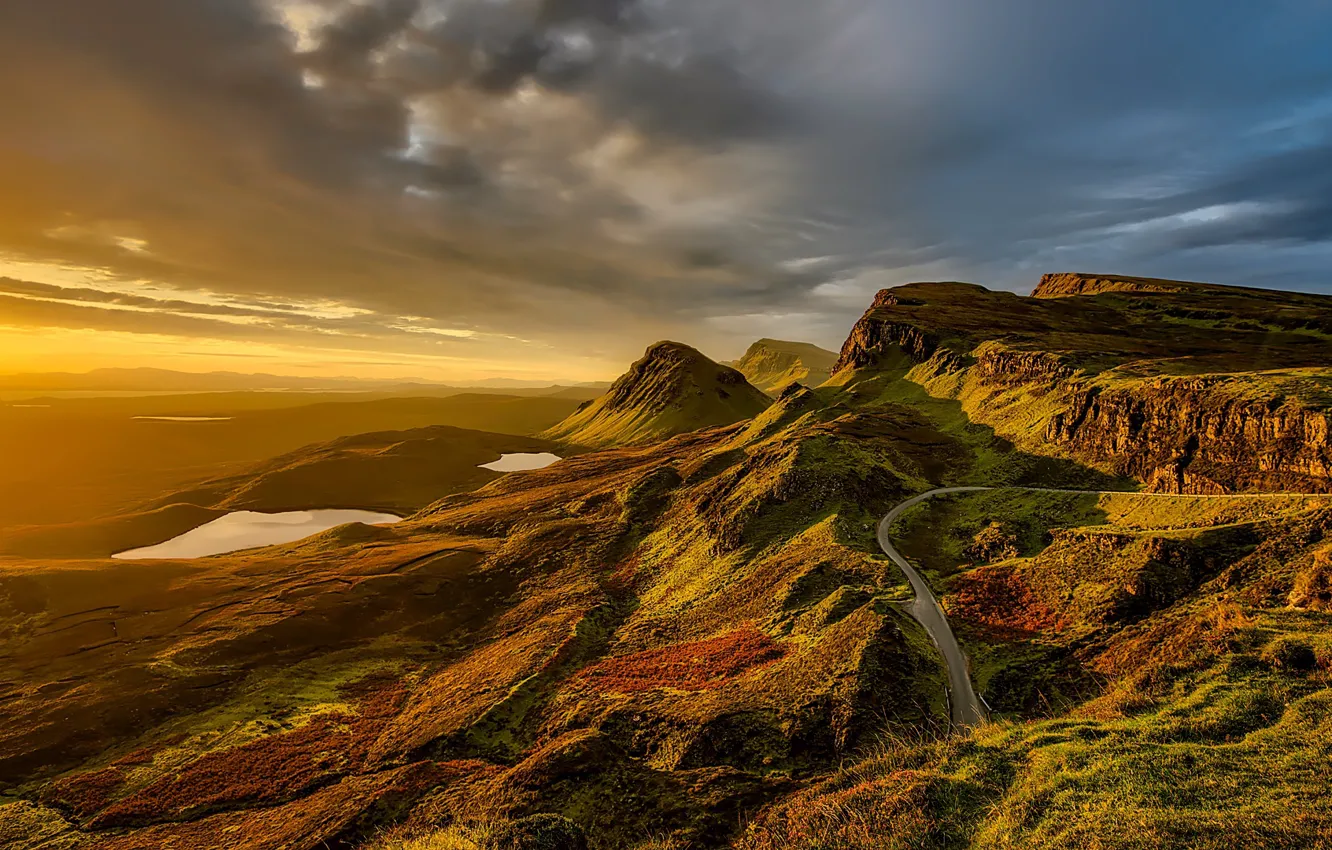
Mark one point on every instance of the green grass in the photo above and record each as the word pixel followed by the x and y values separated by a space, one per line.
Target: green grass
pixel 772 364
pixel 670 390
pixel 1207 723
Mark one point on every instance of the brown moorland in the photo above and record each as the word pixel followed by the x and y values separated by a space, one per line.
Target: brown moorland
pixel 696 639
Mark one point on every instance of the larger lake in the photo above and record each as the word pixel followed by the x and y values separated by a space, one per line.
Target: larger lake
pixel 249 529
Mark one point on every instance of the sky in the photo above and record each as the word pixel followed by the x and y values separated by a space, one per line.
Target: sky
pixel 541 188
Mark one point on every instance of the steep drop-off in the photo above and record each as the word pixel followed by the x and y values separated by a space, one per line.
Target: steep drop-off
pixel 1186 387
pixel 672 389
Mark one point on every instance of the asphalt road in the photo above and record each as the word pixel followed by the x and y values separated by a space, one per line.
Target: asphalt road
pixel 965 707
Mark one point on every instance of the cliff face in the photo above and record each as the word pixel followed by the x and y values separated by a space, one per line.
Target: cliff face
pixel 1198 435
pixel 1130 386
pixel 1007 366
pixel 871 338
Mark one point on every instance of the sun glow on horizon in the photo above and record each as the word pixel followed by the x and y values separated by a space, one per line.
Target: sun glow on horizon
pixel 331 352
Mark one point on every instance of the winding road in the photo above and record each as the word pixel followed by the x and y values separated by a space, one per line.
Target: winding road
pixel 965 706
pixel 966 709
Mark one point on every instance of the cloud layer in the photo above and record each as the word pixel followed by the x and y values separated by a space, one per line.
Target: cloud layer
pixel 548 178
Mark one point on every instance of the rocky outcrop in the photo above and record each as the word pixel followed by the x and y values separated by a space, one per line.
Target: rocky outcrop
pixel 1178 386
pixel 873 336
pixel 1065 284
pixel 1198 435
pixel 1010 366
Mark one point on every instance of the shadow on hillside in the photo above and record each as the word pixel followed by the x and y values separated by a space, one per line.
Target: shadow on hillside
pixel 984 457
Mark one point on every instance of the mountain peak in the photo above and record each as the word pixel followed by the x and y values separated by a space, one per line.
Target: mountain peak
pixel 771 364
pixel 671 389
pixel 670 348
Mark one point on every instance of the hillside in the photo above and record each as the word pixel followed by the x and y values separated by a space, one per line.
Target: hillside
pixel 772 364
pixel 394 471
pixel 1160 667
pixel 397 472
pixel 701 619
pixel 670 390
pixel 695 643
pixel 1186 387
pixel 78 460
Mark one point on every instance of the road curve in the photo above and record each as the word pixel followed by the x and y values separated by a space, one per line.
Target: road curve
pixel 965 707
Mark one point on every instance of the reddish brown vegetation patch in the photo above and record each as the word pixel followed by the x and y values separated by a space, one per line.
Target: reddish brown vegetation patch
pixel 85 793
pixel 854 817
pixel 699 665
pixel 312 821
pixel 624 575
pixel 997 600
pixel 1189 641
pixel 272 769
pixel 90 792
pixel 143 755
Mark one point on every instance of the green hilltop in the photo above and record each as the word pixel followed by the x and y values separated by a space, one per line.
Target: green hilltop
pixel 773 364
pixel 670 390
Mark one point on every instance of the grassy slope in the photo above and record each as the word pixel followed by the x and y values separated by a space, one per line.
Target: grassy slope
pixel 670 390
pixel 772 364
pixel 391 471
pixel 77 461
pixel 704 620
pixel 1208 722
pixel 1020 365
pixel 1160 668
pixel 678 634
pixel 396 471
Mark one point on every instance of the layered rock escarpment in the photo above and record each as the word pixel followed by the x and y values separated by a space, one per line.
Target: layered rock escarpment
pixel 1198 435
pixel 1170 383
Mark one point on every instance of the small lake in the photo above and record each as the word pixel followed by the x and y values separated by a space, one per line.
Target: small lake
pixel 521 461
pixel 250 529
pixel 184 418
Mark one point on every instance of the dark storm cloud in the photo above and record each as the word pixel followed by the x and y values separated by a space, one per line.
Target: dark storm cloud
pixel 587 172
pixel 345 44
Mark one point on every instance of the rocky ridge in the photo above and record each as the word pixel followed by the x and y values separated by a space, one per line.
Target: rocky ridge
pixel 1192 388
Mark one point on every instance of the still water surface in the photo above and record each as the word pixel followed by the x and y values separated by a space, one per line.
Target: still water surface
pixel 248 529
pixel 185 418
pixel 521 461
